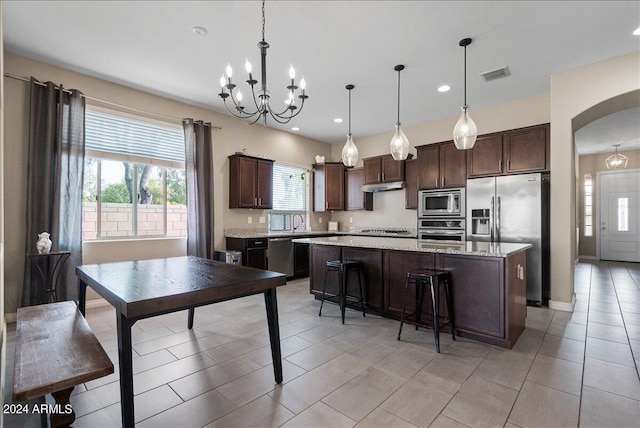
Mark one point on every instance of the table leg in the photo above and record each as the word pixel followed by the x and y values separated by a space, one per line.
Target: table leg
pixel 126 370
pixel 82 296
pixel 66 415
pixel 192 312
pixel 274 332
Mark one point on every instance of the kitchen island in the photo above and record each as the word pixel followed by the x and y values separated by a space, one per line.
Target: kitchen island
pixel 488 280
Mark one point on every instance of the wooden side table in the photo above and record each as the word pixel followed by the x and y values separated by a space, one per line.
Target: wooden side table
pixel 47 269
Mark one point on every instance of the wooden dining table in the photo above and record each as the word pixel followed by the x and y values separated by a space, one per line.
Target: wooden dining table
pixel 147 288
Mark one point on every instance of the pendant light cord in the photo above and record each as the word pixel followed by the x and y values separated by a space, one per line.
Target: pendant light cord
pixel 465 75
pixel 349 111
pixel 398 97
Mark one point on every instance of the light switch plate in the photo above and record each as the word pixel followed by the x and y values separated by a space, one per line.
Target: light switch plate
pixel 262 219
pixel 249 219
pixel 319 219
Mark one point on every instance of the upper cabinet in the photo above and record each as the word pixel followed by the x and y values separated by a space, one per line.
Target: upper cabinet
pixel 356 199
pixel 383 169
pixel 328 186
pixel 441 166
pixel 510 152
pixel 411 181
pixel 250 182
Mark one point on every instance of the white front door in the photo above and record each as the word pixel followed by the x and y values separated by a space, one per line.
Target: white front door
pixel 619 215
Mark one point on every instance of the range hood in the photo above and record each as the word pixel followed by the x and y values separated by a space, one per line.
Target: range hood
pixel 383 187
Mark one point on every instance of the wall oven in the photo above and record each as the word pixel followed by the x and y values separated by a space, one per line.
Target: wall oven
pixel 441 229
pixel 444 202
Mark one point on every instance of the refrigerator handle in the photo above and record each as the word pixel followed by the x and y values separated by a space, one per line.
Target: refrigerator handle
pixel 491 217
pixel 498 219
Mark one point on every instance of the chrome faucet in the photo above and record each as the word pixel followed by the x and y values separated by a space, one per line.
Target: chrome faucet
pixel 300 224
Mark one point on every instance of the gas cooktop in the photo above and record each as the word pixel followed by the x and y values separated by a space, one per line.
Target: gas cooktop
pixel 387 231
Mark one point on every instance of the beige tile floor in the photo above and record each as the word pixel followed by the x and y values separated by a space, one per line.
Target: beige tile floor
pixel 566 370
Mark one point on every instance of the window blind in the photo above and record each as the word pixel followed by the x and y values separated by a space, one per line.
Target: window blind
pixel 125 136
pixel 289 188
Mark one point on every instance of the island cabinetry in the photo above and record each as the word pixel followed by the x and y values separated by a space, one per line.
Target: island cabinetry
pixel 441 166
pixel 516 151
pixel 371 265
pixel 356 199
pixel 250 182
pixel 328 187
pixel 320 255
pixel 489 296
pixel 411 181
pixel 383 169
pixel 397 264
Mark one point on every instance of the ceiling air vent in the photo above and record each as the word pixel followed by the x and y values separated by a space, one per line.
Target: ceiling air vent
pixel 496 74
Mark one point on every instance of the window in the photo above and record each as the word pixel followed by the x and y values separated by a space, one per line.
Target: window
pixel 623 214
pixel 588 205
pixel 290 184
pixel 134 180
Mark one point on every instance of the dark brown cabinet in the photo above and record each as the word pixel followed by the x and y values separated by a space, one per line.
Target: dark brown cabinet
pixel 356 199
pixel 371 262
pixel 254 251
pixel 382 169
pixel 397 264
pixel 250 182
pixel 371 271
pixel 328 187
pixel 511 152
pixel 411 184
pixel 441 166
pixel 300 259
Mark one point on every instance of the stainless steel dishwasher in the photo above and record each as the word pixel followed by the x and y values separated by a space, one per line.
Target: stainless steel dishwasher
pixel 280 255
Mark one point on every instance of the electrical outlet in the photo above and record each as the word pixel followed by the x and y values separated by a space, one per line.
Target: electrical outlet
pixel 249 219
pixel 350 219
pixel 319 219
pixel 262 219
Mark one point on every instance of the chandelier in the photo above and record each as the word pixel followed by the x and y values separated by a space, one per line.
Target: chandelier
pixel 261 97
pixel 465 132
pixel 616 160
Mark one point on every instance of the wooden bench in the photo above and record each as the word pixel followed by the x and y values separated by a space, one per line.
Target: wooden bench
pixel 55 351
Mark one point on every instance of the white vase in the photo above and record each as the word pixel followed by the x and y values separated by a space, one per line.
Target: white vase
pixel 43 245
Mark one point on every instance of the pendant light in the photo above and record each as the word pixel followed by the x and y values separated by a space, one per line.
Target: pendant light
pixel 399 143
pixel 465 132
pixel 616 161
pixel 349 151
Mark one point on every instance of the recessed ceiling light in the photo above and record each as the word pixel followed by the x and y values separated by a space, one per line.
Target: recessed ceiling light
pixel 338 120
pixel 200 31
pixel 444 88
pixel 637 32
pixel 295 128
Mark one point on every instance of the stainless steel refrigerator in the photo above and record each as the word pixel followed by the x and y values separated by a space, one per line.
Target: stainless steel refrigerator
pixel 514 208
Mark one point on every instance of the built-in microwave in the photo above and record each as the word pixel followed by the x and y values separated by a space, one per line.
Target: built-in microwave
pixel 449 202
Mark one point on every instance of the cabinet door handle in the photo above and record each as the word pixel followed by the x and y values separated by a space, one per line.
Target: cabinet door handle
pixel 509 164
pixel 442 181
pixel 255 201
pixel 383 176
pixel 500 165
pixel 378 176
pixel 437 178
pixel 326 205
pixel 260 201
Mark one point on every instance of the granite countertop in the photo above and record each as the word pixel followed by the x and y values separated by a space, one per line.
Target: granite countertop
pixel 366 231
pixel 488 249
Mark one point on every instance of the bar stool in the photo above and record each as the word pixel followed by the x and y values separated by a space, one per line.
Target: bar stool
pixel 342 267
pixel 437 280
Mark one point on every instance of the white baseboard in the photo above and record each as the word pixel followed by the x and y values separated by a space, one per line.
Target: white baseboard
pixel 563 306
pixel 95 303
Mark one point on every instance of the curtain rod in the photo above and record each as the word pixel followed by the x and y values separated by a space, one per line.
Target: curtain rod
pixel 180 119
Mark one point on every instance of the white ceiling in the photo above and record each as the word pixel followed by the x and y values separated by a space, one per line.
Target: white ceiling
pixel 149 45
pixel 601 135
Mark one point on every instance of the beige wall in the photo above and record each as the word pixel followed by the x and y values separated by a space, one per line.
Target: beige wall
pixel 572 93
pixel 389 206
pixel 234 136
pixel 591 164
